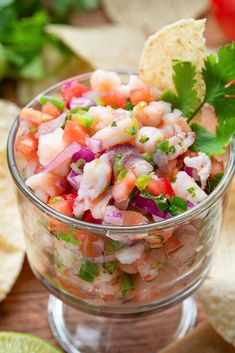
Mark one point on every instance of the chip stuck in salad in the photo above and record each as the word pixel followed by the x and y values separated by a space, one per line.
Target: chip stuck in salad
pixel 125 153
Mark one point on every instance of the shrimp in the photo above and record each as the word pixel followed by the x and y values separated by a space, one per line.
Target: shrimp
pixel 34 116
pixel 133 83
pixel 150 263
pixel 186 187
pixel 151 114
pixel 123 187
pixel 147 138
pixel 49 145
pixel 131 254
pixel 180 143
pixel 124 131
pixel 141 167
pixel 174 123
pixel 46 184
pixel 98 205
pixel 105 116
pixel 96 177
pixel 104 81
pixel 202 164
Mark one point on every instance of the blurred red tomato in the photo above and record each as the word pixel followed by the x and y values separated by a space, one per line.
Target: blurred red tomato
pixel 224 12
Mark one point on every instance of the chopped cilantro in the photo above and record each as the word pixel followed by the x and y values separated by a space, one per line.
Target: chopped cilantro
pixel 122 174
pixel 148 194
pixel 129 106
pixel 192 191
pixel 147 156
pixel 179 203
pixel 143 139
pixel 114 124
pixel 118 165
pixel 165 147
pixel 131 130
pixel 54 199
pixel 213 182
pixel 110 267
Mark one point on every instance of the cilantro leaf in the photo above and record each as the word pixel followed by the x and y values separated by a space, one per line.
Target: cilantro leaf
pixel 184 79
pixel 213 143
pixel 217 74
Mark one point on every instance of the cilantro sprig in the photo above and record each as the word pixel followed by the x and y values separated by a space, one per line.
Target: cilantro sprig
pixel 218 74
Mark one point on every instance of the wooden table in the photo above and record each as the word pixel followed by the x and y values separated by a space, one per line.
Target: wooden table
pixel 25 308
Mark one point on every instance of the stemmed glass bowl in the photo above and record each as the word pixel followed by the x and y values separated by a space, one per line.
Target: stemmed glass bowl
pixel 93 315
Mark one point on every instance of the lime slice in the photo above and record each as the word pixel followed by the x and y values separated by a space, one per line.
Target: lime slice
pixel 14 342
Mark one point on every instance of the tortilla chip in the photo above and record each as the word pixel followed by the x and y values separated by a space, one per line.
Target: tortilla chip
pixel 183 41
pixel 8 113
pixel 107 47
pixel 218 291
pixel 10 266
pixel 151 15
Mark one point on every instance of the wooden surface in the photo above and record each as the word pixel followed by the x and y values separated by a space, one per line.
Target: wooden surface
pixel 25 308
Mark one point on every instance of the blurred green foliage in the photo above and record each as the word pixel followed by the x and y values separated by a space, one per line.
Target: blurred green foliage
pixel 23 36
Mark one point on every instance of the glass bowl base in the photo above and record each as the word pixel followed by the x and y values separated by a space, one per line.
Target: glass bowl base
pixel 78 332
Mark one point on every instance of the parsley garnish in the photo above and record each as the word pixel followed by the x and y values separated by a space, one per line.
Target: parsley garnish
pixel 114 124
pixel 143 139
pixel 129 106
pixel 131 130
pixel 165 147
pixel 192 191
pixel 213 182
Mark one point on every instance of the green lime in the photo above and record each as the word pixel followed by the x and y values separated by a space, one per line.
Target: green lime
pixel 14 342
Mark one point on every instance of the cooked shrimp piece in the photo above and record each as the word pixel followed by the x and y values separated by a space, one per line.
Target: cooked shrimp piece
pixel 151 114
pixel 174 123
pixel 148 137
pixel 129 255
pixel 133 83
pixel 104 81
pixel 103 116
pixel 124 131
pixel 34 116
pixel 150 263
pixel 79 207
pixel 202 164
pixel 96 177
pixel 180 143
pixel 141 167
pixel 186 187
pixel 208 118
pixel 46 184
pixel 123 187
pixel 98 205
pixel 49 145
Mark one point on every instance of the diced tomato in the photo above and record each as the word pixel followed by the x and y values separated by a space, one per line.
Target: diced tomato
pixel 76 89
pixel 171 245
pixel 115 99
pixel 75 132
pixel 89 218
pixel 70 198
pixel 27 145
pixel 141 94
pixel 63 206
pixel 160 186
pixel 88 243
pixel 50 109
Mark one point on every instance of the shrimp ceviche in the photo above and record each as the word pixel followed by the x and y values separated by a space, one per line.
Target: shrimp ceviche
pixel 122 153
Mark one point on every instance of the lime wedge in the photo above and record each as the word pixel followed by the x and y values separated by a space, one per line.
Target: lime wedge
pixel 14 342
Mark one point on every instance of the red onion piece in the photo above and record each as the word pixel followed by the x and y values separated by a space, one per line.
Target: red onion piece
pixel 74 179
pixel 60 164
pixel 84 153
pixel 94 145
pixel 50 126
pixel 149 206
pixel 80 102
pixel 190 204
pixel 113 216
pixel 188 170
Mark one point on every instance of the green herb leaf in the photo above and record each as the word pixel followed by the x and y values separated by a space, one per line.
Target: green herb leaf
pixel 110 267
pixel 179 203
pixel 84 119
pixel 213 182
pixel 88 271
pixel 127 283
pixel 184 79
pixel 118 165
pixel 122 174
pixel 111 246
pixel 129 106
pixel 98 101
pixel 131 130
pixel 143 139
pixel 114 124
pixel 54 199
pixel 148 194
pixel 58 104
pixel 68 237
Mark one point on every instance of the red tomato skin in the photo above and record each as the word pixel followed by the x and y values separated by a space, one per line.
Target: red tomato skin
pixel 90 219
pixel 50 109
pixel 76 89
pixel 160 186
pixel 70 198
pixel 114 99
pixel 27 145
pixel 74 132
pixel 224 12
pixel 62 206
pixel 140 94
